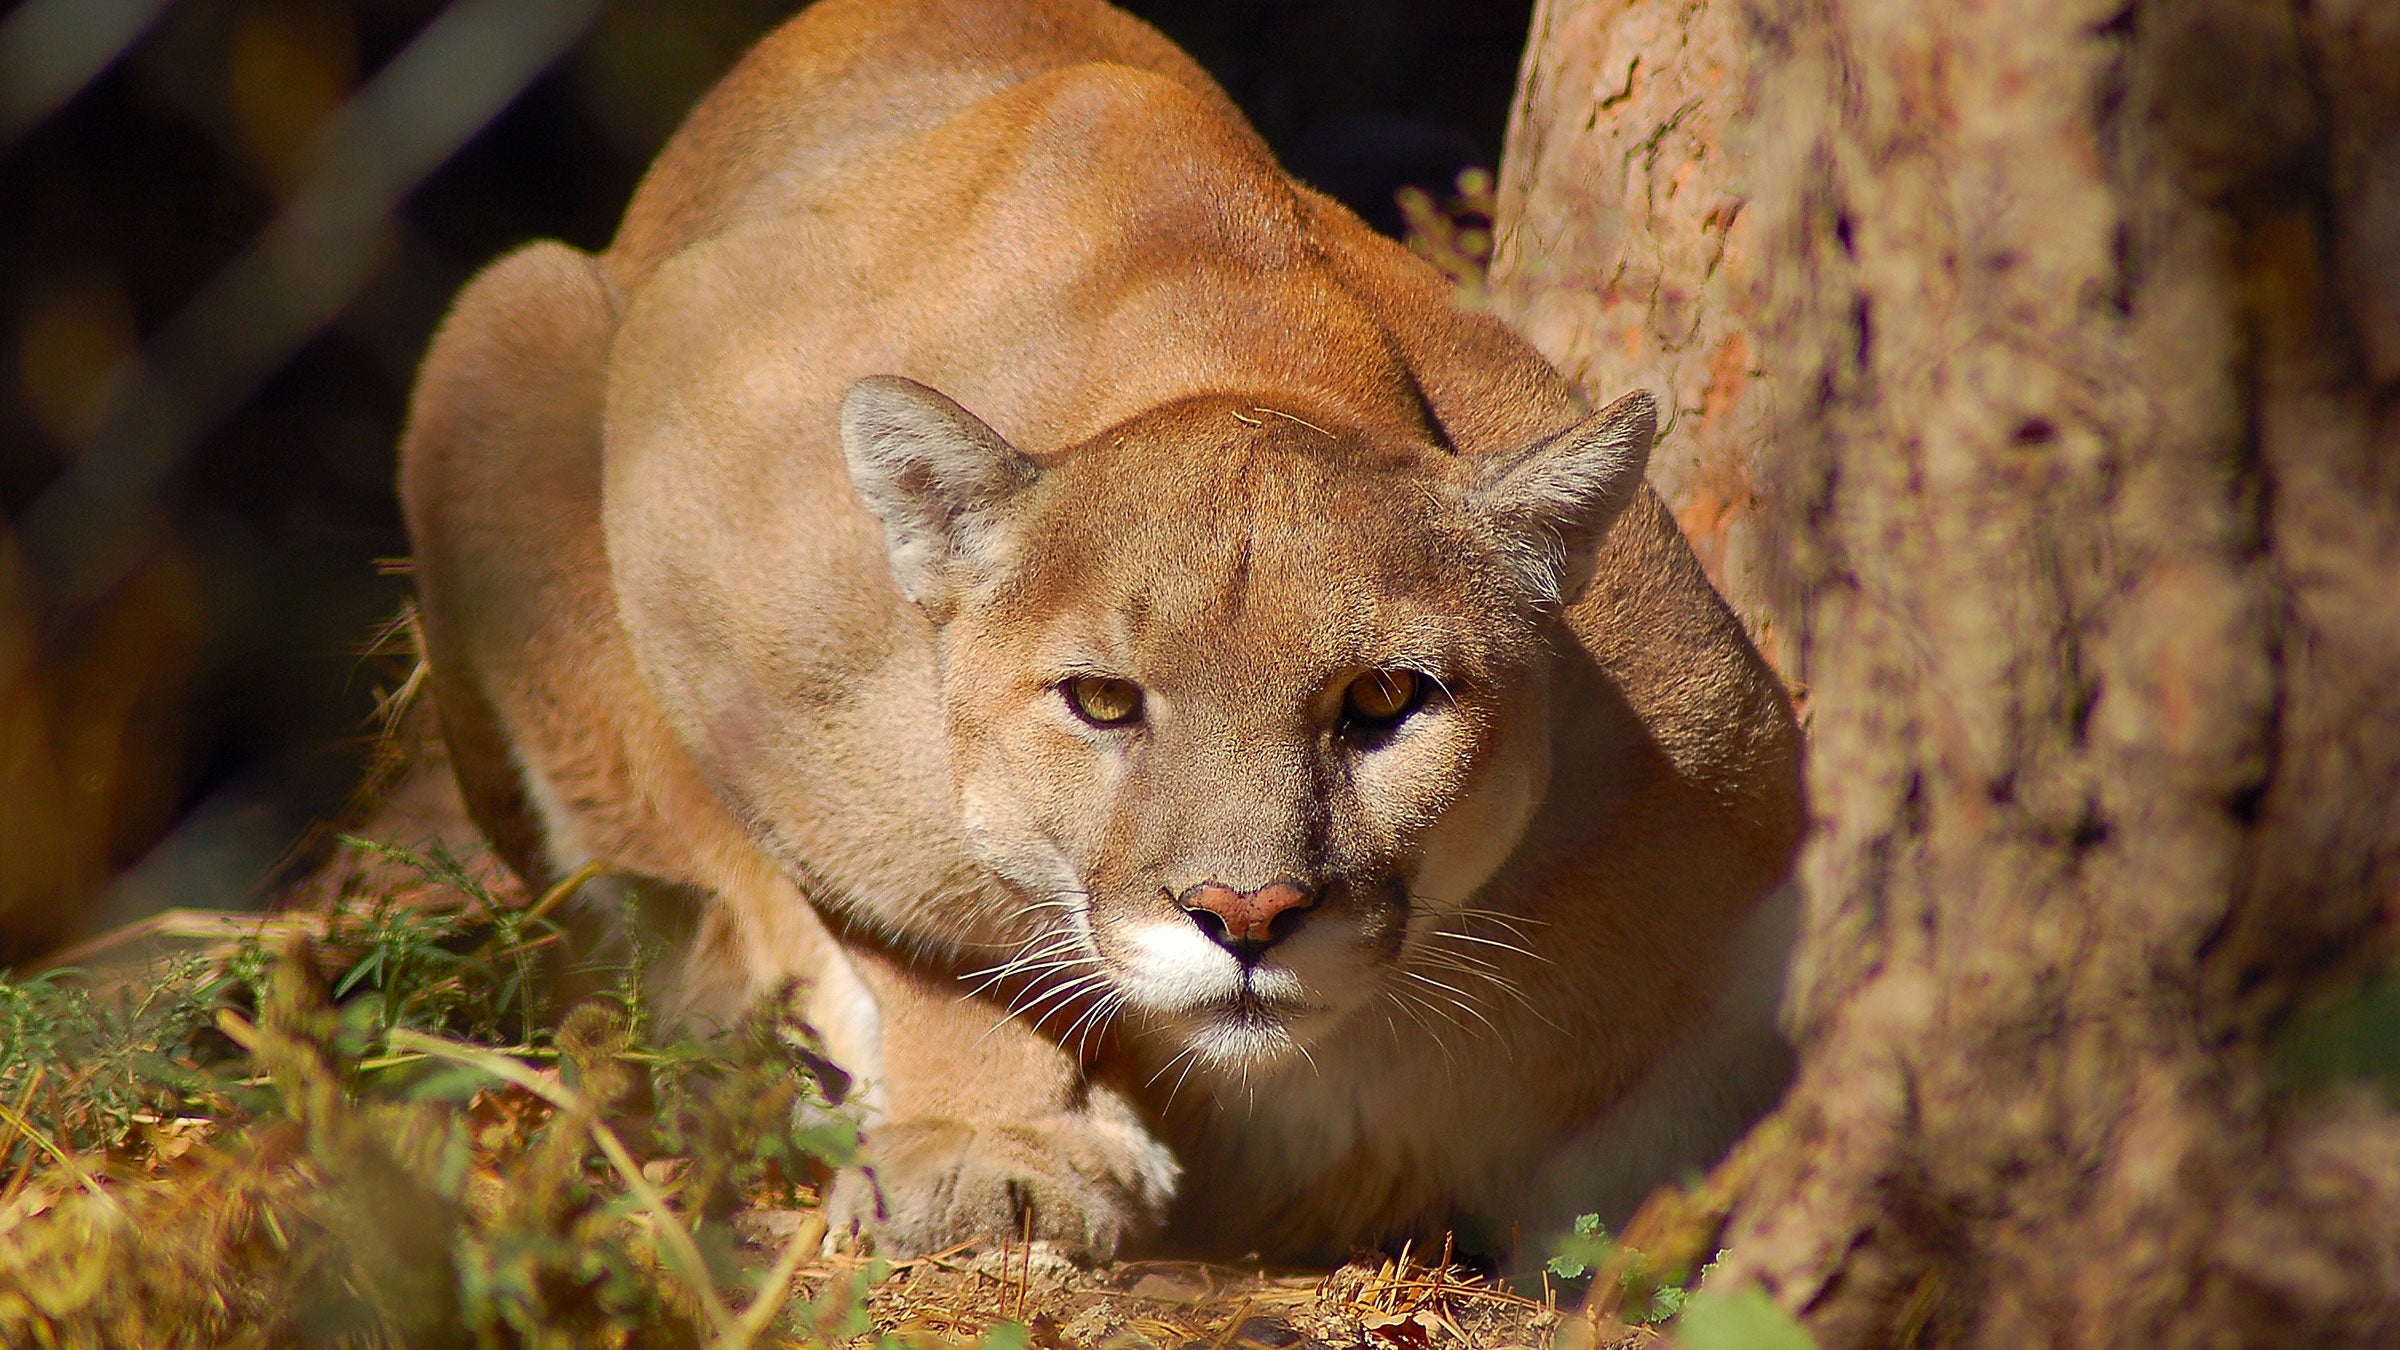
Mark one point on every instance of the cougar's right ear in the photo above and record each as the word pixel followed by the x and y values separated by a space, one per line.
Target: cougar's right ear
pixel 938 479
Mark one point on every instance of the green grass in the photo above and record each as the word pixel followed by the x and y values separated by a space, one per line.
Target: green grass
pixel 386 1137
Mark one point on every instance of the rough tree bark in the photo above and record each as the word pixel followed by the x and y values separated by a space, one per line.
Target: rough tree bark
pixel 1620 248
pixel 2078 454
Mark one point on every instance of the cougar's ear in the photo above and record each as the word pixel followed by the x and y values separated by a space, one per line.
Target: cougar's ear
pixel 1551 502
pixel 937 477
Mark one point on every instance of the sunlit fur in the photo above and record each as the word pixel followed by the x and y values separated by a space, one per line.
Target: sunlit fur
pixel 956 348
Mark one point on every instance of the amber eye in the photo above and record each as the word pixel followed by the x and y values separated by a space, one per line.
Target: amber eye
pixel 1104 700
pixel 1381 697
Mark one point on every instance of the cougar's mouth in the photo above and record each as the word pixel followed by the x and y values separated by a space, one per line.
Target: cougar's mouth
pixel 1247 1030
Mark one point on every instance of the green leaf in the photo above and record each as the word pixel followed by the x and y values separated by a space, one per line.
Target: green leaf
pixel 1666 1301
pixel 1578 1253
pixel 1744 1320
pixel 1007 1336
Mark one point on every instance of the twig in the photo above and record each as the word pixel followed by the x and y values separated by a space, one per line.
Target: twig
pixel 1288 417
pixel 777 1290
pixel 940 1260
pixel 199 924
pixel 556 895
pixel 1232 1328
pixel 1024 1267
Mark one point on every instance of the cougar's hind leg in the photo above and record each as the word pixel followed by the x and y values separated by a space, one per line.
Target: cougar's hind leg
pixel 561 752
pixel 500 485
pixel 539 702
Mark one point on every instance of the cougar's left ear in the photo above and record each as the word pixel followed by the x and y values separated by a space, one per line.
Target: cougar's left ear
pixel 1552 501
pixel 938 479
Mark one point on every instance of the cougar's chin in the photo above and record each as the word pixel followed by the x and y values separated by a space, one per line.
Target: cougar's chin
pixel 1248 1036
pixel 1272 1018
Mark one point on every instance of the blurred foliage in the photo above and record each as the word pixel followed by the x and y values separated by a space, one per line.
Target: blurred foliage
pixel 2349 1034
pixel 1747 1320
pixel 1454 233
pixel 323 1144
pixel 93 737
pixel 1649 1294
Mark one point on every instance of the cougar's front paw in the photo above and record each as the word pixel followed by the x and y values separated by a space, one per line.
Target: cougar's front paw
pixel 1085 1184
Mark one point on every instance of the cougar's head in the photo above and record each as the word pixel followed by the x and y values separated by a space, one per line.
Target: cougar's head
pixel 1240 702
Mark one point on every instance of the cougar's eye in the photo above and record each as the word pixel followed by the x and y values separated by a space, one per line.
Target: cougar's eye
pixel 1380 698
pixel 1104 700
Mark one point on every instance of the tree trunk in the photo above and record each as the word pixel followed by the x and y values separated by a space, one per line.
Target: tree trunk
pixel 1620 245
pixel 2078 445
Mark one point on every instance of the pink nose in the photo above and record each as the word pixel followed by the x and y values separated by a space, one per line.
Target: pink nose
pixel 1244 919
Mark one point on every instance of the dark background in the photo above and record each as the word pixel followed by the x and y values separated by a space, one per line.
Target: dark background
pixel 210 681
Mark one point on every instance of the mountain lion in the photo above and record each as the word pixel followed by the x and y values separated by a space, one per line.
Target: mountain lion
pixel 1235 756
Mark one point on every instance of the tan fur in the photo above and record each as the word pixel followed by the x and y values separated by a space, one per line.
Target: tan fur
pixel 708 603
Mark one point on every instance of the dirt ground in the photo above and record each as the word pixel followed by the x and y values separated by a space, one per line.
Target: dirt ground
pixel 1396 1304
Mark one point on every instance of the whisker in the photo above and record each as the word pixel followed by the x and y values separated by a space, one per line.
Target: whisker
pixel 1191 1052
pixel 1060 942
pixel 1177 1090
pixel 1079 988
pixel 1039 992
pixel 1467 969
pixel 1035 972
pixel 1057 993
pixel 1467 974
pixel 1453 919
pixel 1058 901
pixel 1459 999
pixel 1068 989
pixel 1037 906
pixel 1014 956
pixel 1479 940
pixel 1504 984
pixel 1443 1010
pixel 1049 936
pixel 1433 952
pixel 1094 1020
pixel 1515 923
pixel 1312 1059
pixel 1449 960
pixel 1056 964
pixel 1039 968
pixel 1418 1010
